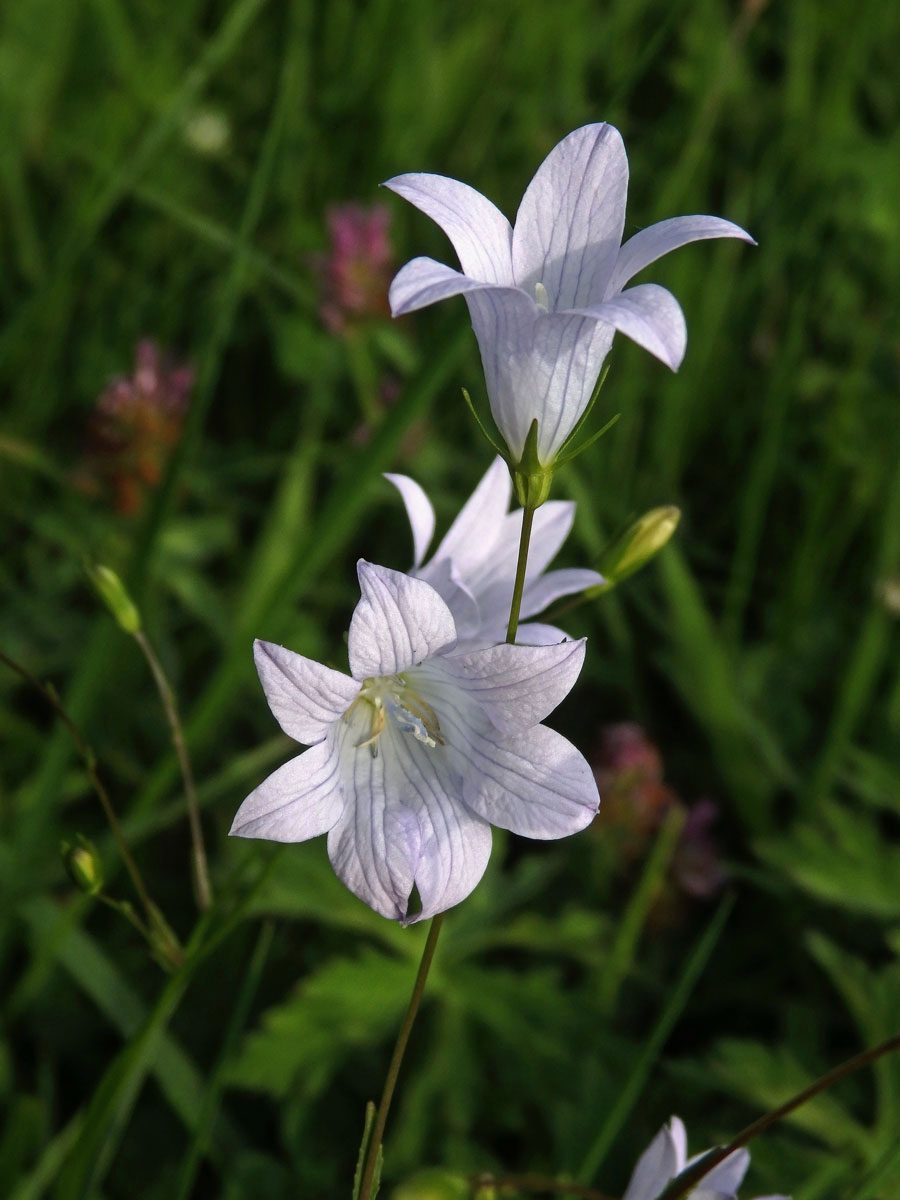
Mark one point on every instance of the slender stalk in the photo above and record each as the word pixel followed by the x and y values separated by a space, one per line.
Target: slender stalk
pixel 384 1104
pixel 170 705
pixel 374 1145
pixel 521 564
pixel 692 1176
pixel 154 916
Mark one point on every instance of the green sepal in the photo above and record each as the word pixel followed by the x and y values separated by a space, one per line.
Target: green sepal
pixel 584 416
pixel 503 452
pixel 561 462
pixel 530 478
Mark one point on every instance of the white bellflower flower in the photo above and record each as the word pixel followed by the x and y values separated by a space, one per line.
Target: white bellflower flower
pixel 547 296
pixel 418 751
pixel 666 1157
pixel 474 566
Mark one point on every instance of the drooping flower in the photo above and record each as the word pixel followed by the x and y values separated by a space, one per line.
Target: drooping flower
pixel 666 1157
pixel 137 421
pixel 547 296
pixel 474 567
pixel 418 751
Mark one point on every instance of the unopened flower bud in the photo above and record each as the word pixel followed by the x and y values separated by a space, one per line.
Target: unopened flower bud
pixel 111 590
pixel 82 862
pixel 644 538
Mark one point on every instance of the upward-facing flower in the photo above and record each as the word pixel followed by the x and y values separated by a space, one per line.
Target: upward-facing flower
pixel 418 751
pixel 666 1157
pixel 547 296
pixel 474 567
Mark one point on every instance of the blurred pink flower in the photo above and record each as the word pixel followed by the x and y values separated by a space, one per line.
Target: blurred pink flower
pixel 629 773
pixel 356 272
pixel 137 420
pixel 696 866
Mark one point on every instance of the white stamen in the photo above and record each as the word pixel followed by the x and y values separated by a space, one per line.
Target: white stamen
pixel 540 295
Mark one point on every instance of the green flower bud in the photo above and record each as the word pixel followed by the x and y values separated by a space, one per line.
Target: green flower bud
pixel 644 538
pixel 433 1185
pixel 111 590
pixel 82 862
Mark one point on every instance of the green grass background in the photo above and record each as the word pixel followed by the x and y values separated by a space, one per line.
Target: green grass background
pixel 759 651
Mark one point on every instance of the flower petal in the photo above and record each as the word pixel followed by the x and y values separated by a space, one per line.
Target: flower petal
pixel 652 243
pixel 300 800
pixel 650 316
pixel 492 584
pixel 398 622
pixel 470 540
pixel 304 696
pixel 404 825
pixel 455 843
pixel 659 1164
pixel 420 513
pixel 516 687
pixel 537 785
pixel 375 846
pixel 728 1175
pixel 569 224
pixel 480 233
pixel 537 365
pixel 446 581
pixel 542 592
pixel 536 633
pixel 423 281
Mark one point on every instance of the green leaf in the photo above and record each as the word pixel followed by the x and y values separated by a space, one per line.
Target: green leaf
pixel 840 856
pixel 347 1004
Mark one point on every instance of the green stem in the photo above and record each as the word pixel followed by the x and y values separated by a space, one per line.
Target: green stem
pixel 692 1176
pixel 170 705
pixel 519 588
pixel 90 763
pixel 368 1176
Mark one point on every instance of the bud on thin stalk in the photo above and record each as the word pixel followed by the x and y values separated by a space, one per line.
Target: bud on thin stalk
pixel 633 548
pixel 111 590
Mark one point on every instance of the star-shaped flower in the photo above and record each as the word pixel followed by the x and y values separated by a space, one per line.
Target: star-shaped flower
pixel 474 567
pixel 419 750
pixel 666 1157
pixel 547 296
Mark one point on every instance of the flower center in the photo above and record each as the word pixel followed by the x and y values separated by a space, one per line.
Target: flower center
pixel 390 698
pixel 541 297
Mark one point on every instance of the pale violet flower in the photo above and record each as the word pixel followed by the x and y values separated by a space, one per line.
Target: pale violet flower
pixel 418 751
pixel 547 296
pixel 474 567
pixel 666 1157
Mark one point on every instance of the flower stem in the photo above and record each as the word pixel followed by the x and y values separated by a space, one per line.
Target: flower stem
pixel 519 587
pixel 368 1175
pixel 170 705
pixel 692 1176
pixel 155 919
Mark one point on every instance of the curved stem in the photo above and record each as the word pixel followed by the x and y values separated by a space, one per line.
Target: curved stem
pixel 170 705
pixel 90 764
pixel 521 564
pixel 384 1104
pixel 690 1177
